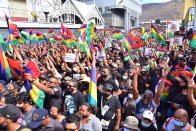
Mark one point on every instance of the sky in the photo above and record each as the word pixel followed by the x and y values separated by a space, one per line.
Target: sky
pixel 154 1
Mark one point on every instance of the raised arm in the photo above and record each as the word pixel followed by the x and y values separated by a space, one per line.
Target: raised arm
pixel 190 95
pixel 161 86
pixel 135 84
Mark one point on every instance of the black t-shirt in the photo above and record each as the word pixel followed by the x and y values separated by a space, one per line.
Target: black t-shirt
pixel 101 81
pixel 53 99
pixel 150 128
pixel 79 99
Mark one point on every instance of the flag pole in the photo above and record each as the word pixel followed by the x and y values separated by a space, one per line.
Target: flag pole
pixel 194 25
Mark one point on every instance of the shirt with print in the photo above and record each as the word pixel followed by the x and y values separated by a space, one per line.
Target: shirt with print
pixel 79 99
pixel 141 107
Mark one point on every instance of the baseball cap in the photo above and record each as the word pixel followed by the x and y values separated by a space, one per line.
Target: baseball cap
pixel 131 122
pixel 108 86
pixel 2 82
pixel 148 93
pixel 11 112
pixel 37 116
pixel 148 114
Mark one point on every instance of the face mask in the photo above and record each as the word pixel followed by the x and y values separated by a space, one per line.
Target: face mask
pixel 75 69
pixel 105 95
pixel 104 75
pixel 178 123
pixel 144 124
pixel 125 129
pixel 182 65
pixel 124 77
pixel 21 109
pixel 68 90
pixel 53 116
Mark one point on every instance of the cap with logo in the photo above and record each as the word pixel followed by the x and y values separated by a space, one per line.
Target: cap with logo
pixel 37 116
pixel 11 112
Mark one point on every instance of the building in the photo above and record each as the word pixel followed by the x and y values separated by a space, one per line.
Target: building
pixel 45 14
pixel 122 14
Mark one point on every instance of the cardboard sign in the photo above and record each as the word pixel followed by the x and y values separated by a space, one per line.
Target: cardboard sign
pixel 101 55
pixel 149 51
pixel 176 41
pixel 70 57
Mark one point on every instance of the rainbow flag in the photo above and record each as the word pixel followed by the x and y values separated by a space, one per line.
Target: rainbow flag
pixel 5 73
pixel 92 93
pixel 69 41
pixel 33 34
pixel 156 34
pixel 161 51
pixel 117 34
pixel 193 42
pixel 126 57
pixel 39 36
pixel 36 94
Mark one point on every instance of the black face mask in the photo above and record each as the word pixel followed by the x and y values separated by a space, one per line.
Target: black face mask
pixel 21 109
pixel 68 90
pixel 104 75
pixel 64 85
pixel 3 128
pixel 182 65
pixel 105 95
pixel 53 116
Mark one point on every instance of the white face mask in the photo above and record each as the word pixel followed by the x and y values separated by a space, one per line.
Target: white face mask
pixel 75 69
pixel 124 77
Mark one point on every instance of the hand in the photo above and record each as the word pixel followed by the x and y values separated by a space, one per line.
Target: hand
pixel 191 84
pixel 116 128
pixel 166 71
pixel 28 76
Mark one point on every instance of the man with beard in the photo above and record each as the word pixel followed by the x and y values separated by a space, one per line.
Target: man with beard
pixel 41 121
pixel 182 65
pixel 73 98
pixel 88 120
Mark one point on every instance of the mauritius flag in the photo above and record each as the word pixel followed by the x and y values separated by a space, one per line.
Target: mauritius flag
pixel 156 34
pixel 193 42
pixel 5 73
pixel 117 34
pixel 126 57
pixel 69 41
pixel 39 36
pixel 36 94
pixel 161 51
pixel 32 34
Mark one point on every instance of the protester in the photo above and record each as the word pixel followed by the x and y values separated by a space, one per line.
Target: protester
pixel 179 121
pixel 130 124
pixel 88 120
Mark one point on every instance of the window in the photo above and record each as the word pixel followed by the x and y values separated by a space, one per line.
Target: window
pixel 100 10
pixel 107 10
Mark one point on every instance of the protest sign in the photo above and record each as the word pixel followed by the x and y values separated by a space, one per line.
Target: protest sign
pixel 101 55
pixel 70 57
pixel 149 51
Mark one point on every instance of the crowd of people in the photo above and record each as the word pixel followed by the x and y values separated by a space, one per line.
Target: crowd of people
pixel 146 93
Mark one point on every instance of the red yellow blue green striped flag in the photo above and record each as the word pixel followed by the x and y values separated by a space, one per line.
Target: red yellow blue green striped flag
pixel 193 42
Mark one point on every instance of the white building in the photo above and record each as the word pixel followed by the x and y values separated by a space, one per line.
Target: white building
pixel 49 13
pixel 123 14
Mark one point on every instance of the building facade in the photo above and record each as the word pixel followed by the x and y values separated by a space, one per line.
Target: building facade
pixel 122 14
pixel 49 13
